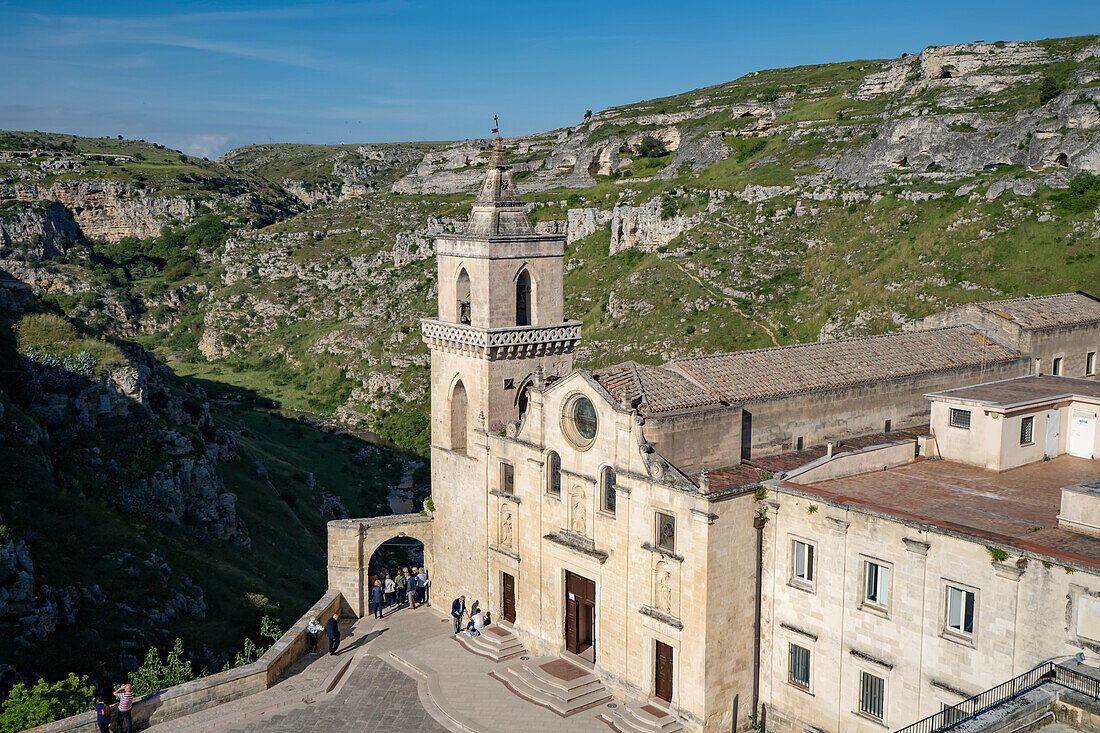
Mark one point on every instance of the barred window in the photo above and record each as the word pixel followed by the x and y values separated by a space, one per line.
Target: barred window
pixel 872 695
pixel 1027 430
pixel 799 672
pixel 960 418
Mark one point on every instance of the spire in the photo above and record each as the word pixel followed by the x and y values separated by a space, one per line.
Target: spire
pixel 499 210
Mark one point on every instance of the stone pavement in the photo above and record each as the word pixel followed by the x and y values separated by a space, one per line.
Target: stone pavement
pixel 404 673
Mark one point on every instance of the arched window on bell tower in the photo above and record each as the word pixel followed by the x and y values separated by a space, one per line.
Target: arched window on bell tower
pixel 523 298
pixel 459 421
pixel 462 295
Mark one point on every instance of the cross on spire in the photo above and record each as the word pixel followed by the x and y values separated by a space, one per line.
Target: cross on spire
pixel 496 125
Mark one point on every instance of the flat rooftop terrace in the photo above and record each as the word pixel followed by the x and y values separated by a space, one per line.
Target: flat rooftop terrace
pixel 1016 507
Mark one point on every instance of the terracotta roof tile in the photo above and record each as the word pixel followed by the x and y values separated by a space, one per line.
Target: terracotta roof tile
pixel 654 390
pixel 760 373
pixel 1046 311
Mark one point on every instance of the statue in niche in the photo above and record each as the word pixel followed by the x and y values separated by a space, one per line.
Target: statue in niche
pixel 505 527
pixel 576 508
pixel 663 600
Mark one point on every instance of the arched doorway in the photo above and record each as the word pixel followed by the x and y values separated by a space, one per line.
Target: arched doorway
pixel 389 560
pixel 459 419
pixel 462 297
pixel 523 298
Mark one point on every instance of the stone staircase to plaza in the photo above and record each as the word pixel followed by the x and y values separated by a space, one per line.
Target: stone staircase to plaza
pixel 554 683
pixel 496 642
pixel 641 718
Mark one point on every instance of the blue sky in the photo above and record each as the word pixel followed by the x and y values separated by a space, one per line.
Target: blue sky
pixel 205 76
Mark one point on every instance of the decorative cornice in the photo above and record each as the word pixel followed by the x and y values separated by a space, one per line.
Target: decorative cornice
pixel 577 543
pixel 507 497
pixel 794 629
pixel 501 343
pixel 915 546
pixel 662 551
pixel 504 551
pixel 661 616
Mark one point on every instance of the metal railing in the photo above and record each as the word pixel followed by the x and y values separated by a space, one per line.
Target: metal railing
pixel 972 707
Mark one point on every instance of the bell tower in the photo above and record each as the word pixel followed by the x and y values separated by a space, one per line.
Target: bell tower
pixel 500 328
pixel 500 312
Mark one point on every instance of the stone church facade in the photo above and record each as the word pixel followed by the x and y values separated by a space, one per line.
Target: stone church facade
pixel 612 516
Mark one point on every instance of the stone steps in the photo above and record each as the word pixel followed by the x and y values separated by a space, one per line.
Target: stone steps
pixel 641 718
pixel 496 643
pixel 554 683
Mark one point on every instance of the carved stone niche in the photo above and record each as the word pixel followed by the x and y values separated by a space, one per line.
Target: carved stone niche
pixel 577 510
pixel 506 528
pixel 666 588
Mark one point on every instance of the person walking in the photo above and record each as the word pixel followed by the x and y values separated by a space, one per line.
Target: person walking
pixel 422 586
pixel 377 598
pixel 123 721
pixel 332 629
pixel 103 714
pixel 313 629
pixel 458 610
pixel 390 589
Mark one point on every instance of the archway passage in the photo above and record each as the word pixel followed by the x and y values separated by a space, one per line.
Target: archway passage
pixel 390 560
pixel 523 299
pixel 458 417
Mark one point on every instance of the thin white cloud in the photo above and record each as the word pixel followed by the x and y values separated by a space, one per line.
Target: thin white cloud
pixel 205 146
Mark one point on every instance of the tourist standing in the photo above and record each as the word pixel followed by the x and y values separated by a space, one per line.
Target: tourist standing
pixel 103 714
pixel 313 629
pixel 390 589
pixel 422 586
pixel 332 629
pixel 399 579
pixel 458 610
pixel 123 721
pixel 377 598
pixel 410 586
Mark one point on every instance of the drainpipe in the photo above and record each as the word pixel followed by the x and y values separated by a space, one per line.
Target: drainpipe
pixel 758 523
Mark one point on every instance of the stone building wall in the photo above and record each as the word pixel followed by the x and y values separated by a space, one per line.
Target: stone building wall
pixel 1027 611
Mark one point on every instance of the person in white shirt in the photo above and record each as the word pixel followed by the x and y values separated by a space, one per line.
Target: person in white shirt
pixel 314 630
pixel 391 589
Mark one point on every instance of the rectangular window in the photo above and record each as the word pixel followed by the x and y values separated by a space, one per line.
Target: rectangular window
pixel 872 695
pixel 877 584
pixel 803 561
pixel 799 443
pixel 1090 364
pixel 1056 366
pixel 951 714
pixel 887 426
pixel 960 610
pixel 666 531
pixel 799 673
pixel 960 418
pixel 1027 430
pixel 507 478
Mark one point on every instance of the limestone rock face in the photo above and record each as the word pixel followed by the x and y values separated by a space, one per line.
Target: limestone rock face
pixel 106 209
pixel 643 227
pixel 582 222
pixel 43 228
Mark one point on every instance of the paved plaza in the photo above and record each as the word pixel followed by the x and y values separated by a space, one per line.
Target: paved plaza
pixel 401 674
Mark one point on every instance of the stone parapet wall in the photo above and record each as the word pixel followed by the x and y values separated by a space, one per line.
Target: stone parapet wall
pixel 190 697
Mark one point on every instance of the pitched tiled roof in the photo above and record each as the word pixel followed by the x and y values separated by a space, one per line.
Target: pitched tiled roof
pixel 1047 310
pixel 654 390
pixel 771 372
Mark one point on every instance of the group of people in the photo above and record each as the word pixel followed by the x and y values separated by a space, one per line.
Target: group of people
pixel 400 587
pixel 475 618
pixel 122 710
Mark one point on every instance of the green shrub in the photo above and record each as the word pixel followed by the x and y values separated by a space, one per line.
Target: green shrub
pixel 45 702
pixel 153 674
pixel 651 147
pixel 1048 89
pixel 1083 194
pixel 409 429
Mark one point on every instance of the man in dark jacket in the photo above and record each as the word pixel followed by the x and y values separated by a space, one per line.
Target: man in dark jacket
pixel 458 608
pixel 332 629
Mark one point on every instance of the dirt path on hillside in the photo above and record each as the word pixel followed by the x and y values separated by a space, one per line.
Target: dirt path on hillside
pixel 732 303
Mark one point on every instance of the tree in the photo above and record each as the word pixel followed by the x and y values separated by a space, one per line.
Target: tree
pixel 154 674
pixel 651 147
pixel 587 114
pixel 45 702
pixel 1048 89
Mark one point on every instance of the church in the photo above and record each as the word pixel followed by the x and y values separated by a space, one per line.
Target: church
pixel 654 527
